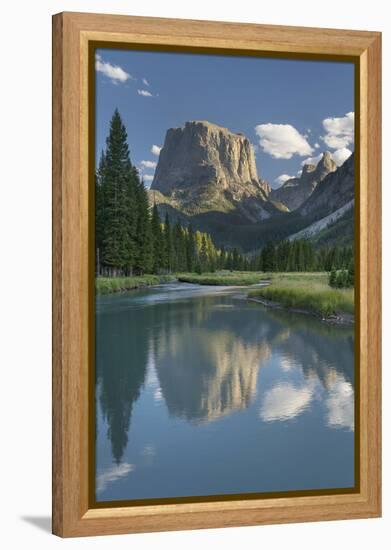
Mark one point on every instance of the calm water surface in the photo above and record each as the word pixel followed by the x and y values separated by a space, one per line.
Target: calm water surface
pixel 199 392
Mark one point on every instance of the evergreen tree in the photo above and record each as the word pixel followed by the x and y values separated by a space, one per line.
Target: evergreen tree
pixel 300 255
pixel 190 250
pixel 341 280
pixel 157 241
pixel 204 255
pixel 268 257
pixel 291 258
pixel 350 278
pixel 99 210
pixel 143 261
pixel 259 262
pixel 197 267
pixel 229 261
pixel 198 242
pixel 235 260
pixel 117 196
pixel 222 258
pixel 179 247
pixel 333 277
pixel 211 252
pixel 168 252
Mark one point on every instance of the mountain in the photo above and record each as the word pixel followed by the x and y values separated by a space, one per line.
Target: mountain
pixel 322 226
pixel 207 176
pixel 294 192
pixel 204 168
pixel 340 231
pixel 329 211
pixel 326 217
pixel 332 193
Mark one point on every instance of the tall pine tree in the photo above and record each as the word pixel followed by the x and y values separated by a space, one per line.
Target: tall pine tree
pixel 168 250
pixel 190 249
pixel 143 261
pixel 117 212
pixel 157 240
pixel 99 210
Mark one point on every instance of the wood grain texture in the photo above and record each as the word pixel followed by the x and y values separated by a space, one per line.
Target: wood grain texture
pixel 72 33
pixel 57 462
pixel 373 262
pixel 223 35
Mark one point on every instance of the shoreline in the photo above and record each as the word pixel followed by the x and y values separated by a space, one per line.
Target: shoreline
pixel 342 318
pixel 153 284
pixel 111 285
pixel 115 285
pixel 287 292
pixel 226 278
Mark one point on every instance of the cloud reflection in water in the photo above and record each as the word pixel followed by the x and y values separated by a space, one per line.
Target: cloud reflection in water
pixel 285 401
pixel 114 473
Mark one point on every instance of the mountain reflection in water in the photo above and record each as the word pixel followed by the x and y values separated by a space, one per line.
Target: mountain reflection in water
pixel 200 392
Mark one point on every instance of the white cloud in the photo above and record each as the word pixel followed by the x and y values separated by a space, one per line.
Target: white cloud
pixel 286 401
pixel 340 155
pixel 112 474
pixel 144 93
pixel 155 150
pixel 145 82
pixel 316 145
pixel 282 179
pixel 339 131
pixel 114 72
pixel 282 141
pixel 147 177
pixel 148 164
pixel 312 160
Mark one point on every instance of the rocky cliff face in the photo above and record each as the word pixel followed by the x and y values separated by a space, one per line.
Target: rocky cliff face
pixel 296 191
pixel 332 193
pixel 203 167
pixel 265 187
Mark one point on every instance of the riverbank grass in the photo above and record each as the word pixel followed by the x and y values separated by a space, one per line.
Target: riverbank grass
pixel 306 291
pixel 107 285
pixel 223 278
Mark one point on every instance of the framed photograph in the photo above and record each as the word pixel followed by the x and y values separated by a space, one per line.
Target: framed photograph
pixel 216 274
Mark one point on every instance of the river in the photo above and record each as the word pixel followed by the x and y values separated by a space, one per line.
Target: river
pixel 199 392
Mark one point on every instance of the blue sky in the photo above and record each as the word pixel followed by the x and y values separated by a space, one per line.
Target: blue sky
pixel 290 110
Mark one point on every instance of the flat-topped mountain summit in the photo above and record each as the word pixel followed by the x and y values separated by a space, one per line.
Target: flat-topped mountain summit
pixel 204 167
pixel 201 153
pixel 207 176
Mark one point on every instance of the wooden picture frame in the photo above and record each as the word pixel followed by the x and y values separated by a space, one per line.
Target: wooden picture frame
pixel 72 293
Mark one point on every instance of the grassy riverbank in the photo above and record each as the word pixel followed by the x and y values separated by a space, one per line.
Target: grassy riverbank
pixel 306 291
pixel 107 285
pixel 300 291
pixel 223 278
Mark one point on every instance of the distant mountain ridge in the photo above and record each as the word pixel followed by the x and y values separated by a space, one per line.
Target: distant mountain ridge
pixel 294 192
pixel 335 190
